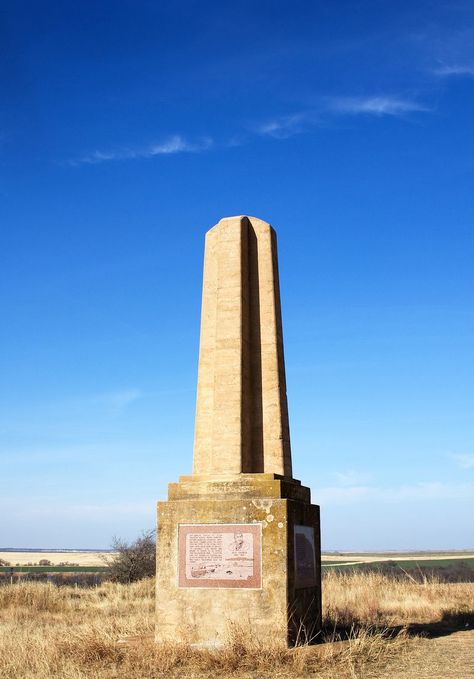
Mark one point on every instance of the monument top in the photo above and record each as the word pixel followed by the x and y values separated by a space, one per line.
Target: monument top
pixel 251 219
pixel 241 413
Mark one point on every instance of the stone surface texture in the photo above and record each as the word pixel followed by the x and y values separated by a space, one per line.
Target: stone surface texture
pixel 206 616
pixel 242 412
pixel 242 459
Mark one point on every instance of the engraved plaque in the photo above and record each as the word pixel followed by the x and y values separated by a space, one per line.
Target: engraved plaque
pixel 220 555
pixel 305 557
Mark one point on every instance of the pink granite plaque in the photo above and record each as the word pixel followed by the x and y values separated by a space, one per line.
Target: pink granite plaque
pixel 220 555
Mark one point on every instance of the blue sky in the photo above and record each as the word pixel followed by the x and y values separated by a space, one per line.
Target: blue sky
pixel 127 129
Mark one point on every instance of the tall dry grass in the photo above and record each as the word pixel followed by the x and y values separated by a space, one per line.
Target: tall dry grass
pixel 374 599
pixel 66 633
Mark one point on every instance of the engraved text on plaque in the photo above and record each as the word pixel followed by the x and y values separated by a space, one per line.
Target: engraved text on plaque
pixel 220 555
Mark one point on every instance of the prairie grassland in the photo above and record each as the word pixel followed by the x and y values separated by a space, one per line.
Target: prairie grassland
pixel 66 633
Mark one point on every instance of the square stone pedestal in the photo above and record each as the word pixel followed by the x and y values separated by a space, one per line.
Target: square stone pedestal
pixel 238 550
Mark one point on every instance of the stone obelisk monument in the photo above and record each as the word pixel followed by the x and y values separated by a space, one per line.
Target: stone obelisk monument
pixel 239 540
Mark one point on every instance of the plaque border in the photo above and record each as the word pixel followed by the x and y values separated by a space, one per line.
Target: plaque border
pixel 255 582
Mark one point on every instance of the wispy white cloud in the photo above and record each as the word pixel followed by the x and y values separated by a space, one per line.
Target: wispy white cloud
pixel 117 401
pixel 38 508
pixel 277 127
pixel 284 126
pixel 171 145
pixel 351 478
pixel 52 454
pixel 422 491
pixel 375 105
pixel 447 70
pixel 465 461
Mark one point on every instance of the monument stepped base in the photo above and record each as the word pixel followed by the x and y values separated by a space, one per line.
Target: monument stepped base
pixel 238 550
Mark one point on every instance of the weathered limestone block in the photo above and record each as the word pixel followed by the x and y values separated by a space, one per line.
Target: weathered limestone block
pixel 276 606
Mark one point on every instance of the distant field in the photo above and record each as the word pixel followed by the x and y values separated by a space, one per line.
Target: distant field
pixel 56 558
pixel 53 569
pixel 88 562
pixel 395 556
pixel 405 561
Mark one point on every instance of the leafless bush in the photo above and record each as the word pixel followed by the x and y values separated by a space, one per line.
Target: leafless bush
pixel 132 561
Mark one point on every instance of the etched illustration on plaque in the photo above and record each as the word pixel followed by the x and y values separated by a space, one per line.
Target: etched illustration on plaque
pixel 220 555
pixel 305 557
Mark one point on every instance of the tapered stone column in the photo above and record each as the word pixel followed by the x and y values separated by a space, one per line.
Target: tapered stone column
pixel 242 412
pixel 239 540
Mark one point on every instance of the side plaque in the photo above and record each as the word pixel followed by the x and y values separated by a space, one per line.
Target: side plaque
pixel 305 557
pixel 220 555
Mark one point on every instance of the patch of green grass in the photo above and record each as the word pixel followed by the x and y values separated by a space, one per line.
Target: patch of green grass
pixel 434 563
pixel 406 565
pixel 468 554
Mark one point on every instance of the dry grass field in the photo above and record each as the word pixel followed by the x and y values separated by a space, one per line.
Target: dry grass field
pixel 67 633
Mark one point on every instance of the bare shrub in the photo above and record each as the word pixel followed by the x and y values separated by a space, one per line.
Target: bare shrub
pixel 132 561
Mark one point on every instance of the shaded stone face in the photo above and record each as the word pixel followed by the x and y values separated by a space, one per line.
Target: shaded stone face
pixel 241 412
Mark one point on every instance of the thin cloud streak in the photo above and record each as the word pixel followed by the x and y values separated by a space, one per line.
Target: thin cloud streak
pixel 375 105
pixel 283 127
pixel 117 401
pixel 455 70
pixel 287 126
pixel 465 461
pixel 417 492
pixel 172 145
pixel 279 127
pixel 351 478
pixel 39 509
